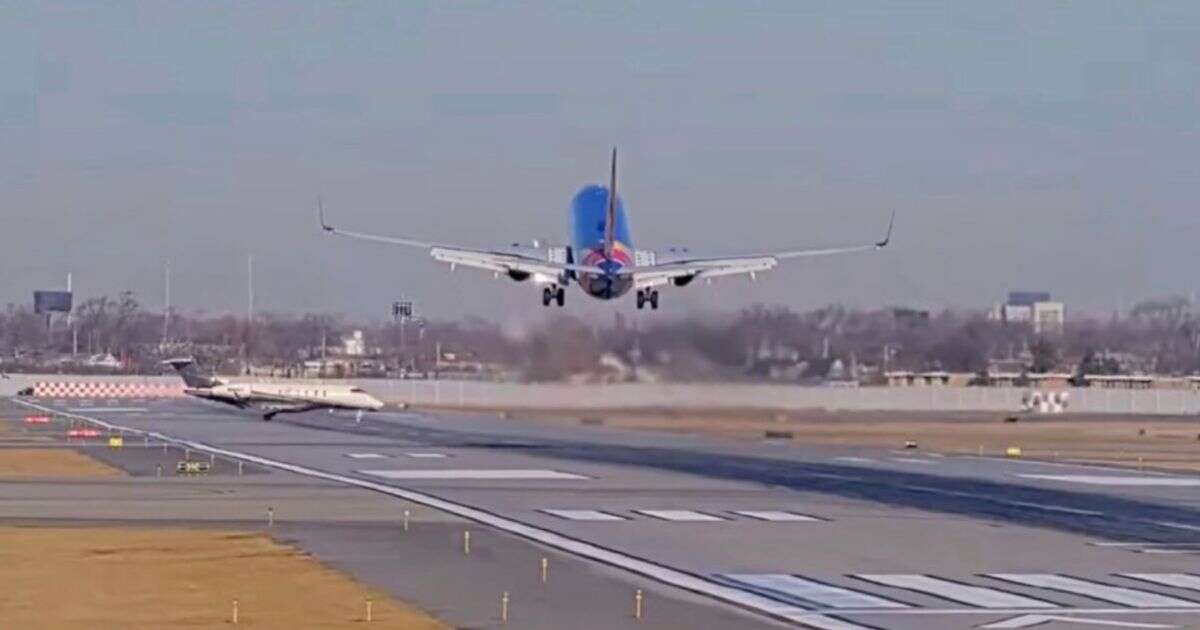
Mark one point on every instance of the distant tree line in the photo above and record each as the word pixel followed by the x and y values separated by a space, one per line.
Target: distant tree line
pixel 1159 336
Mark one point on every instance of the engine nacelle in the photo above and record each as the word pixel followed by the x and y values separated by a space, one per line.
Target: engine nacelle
pixel 683 281
pixel 519 276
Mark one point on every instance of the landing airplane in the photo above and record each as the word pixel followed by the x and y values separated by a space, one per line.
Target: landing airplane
pixel 601 258
pixel 275 398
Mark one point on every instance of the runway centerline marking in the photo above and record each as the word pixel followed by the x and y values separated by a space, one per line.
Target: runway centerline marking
pixel 971 595
pixel 1131 597
pixel 366 456
pixel 856 460
pixel 1117 480
pixel 474 474
pixel 426 455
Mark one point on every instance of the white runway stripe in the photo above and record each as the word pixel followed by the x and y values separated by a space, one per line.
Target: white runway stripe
pixel 913 460
pixel 855 460
pixel 426 455
pixel 107 410
pixel 978 596
pixel 1174 525
pixel 584 515
pixel 680 515
pixel 464 473
pixel 776 515
pixel 1177 580
pixel 1114 480
pixel 1116 594
pixel 366 456
pixel 825 622
pixel 808 592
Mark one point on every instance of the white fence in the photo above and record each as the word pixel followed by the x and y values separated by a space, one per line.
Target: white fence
pixel 719 396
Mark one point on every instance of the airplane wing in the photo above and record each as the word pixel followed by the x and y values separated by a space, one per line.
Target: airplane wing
pixel 691 268
pixel 525 260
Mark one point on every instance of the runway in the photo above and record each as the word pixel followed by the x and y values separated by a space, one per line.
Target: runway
pixel 764 534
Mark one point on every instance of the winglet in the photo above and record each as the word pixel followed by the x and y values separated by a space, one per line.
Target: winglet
pixel 610 217
pixel 887 237
pixel 321 216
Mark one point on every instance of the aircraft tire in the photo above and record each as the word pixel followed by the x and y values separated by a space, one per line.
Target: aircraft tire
pixel 560 297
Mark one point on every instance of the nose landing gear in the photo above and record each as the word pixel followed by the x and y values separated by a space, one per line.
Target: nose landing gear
pixel 554 293
pixel 647 296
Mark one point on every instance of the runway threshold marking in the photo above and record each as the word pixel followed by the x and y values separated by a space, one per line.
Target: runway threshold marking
pixel 474 474
pixel 1130 597
pixel 745 600
pixel 781 516
pixel 971 595
pixel 810 593
pixel 1117 480
pixel 686 516
pixel 584 515
pixel 1187 581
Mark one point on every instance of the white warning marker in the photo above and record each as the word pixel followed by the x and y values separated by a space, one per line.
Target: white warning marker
pixel 805 592
pixel 1176 580
pixel 499 474
pixel 978 596
pixel 777 516
pixel 680 515
pixel 366 456
pixel 1131 597
pixel 584 515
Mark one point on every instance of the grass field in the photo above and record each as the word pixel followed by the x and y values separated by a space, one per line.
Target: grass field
pixel 66 578
pixel 58 463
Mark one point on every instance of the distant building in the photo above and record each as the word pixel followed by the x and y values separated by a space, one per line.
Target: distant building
pixel 1034 308
pixel 1048 317
pixel 355 346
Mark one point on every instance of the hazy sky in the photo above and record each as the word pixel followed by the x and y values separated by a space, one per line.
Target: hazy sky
pixel 1042 145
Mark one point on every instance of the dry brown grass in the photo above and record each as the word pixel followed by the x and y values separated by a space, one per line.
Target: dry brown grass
pixel 95 577
pixel 59 463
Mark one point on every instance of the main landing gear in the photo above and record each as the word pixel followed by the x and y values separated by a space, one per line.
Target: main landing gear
pixel 647 296
pixel 554 293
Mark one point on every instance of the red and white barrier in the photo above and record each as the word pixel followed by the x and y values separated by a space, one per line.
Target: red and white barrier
pixel 65 389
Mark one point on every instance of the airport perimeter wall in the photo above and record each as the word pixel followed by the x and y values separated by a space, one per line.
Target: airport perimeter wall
pixel 474 394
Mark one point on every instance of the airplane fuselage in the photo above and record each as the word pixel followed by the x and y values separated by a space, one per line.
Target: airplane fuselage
pixel 588 212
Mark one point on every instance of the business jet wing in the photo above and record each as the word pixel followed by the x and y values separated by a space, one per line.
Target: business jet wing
pixel 517 259
pixel 674 266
